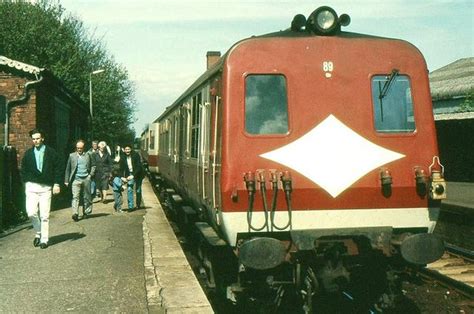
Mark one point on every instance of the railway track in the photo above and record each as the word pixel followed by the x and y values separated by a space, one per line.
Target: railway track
pixel 455 270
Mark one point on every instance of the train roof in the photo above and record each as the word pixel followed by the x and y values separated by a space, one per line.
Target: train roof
pixel 288 33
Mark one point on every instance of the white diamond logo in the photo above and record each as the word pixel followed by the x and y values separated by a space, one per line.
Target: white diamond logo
pixel 332 155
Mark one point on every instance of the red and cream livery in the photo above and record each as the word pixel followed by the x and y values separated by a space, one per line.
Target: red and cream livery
pixel 149 142
pixel 306 140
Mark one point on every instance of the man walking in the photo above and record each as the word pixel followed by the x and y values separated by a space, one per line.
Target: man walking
pixel 132 169
pixel 41 172
pixel 79 170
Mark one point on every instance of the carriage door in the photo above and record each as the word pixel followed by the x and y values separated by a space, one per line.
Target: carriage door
pixel 182 139
pixel 203 161
pixel 213 175
pixel 176 148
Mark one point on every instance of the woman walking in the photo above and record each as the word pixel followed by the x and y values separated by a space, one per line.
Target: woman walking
pixel 103 162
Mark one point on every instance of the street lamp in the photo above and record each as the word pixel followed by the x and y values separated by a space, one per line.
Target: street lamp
pixel 90 87
pixel 90 100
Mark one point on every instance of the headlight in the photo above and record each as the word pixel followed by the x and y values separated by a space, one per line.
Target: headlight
pixel 326 19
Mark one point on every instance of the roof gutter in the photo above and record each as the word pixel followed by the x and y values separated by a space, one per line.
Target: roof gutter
pixel 15 102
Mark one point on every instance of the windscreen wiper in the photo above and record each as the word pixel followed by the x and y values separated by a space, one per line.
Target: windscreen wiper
pixel 388 83
pixel 384 90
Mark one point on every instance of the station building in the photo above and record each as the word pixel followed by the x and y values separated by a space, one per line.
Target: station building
pixel 452 91
pixel 32 97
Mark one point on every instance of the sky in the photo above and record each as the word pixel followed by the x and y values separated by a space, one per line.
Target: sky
pixel 163 43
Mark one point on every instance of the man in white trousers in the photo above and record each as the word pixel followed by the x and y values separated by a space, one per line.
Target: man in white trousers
pixel 41 173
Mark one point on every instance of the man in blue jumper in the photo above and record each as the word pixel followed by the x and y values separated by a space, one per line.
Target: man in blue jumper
pixel 41 172
pixel 79 170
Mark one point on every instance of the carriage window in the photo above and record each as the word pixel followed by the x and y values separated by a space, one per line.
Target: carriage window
pixel 195 119
pixel 152 140
pixel 266 104
pixel 393 104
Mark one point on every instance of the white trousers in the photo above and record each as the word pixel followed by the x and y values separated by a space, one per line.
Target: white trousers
pixel 38 206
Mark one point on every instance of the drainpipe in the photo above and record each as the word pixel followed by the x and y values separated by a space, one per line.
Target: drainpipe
pixel 15 102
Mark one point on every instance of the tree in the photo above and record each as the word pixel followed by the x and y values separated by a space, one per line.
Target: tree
pixel 44 35
pixel 468 104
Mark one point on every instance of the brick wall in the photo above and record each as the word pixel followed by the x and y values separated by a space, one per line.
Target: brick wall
pixel 49 106
pixel 22 117
pixel 22 121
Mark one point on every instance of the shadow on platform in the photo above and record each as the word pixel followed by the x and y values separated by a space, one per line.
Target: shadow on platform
pixel 73 236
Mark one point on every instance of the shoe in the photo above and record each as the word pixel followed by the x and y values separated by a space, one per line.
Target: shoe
pixel 43 245
pixel 104 201
pixel 36 242
pixel 130 210
pixel 75 217
pixel 85 216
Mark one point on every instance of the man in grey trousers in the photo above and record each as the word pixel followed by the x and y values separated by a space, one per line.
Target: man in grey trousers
pixel 79 170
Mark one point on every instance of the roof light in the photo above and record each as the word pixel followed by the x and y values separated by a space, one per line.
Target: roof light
pixel 324 21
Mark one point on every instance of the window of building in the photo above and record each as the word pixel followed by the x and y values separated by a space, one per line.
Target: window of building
pixel 266 104
pixel 393 104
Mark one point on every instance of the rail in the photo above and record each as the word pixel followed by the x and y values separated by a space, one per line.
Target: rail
pixel 454 270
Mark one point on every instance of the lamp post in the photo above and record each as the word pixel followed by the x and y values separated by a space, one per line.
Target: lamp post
pixel 90 97
pixel 90 87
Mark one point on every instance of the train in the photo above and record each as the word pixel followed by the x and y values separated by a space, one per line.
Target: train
pixel 307 161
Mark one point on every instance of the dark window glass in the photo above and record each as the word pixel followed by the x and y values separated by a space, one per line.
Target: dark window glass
pixel 393 104
pixel 195 124
pixel 152 139
pixel 266 104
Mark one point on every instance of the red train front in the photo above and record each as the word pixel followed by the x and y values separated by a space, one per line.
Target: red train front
pixel 303 149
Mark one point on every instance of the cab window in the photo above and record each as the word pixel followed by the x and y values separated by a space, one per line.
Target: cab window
pixel 393 104
pixel 266 104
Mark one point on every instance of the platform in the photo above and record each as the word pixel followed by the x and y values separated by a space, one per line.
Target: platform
pixel 460 197
pixel 456 220
pixel 110 262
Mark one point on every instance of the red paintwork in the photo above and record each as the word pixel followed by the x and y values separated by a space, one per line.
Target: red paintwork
pixel 311 98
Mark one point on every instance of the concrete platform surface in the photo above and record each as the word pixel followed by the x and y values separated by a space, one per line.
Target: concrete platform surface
pixel 460 195
pixel 107 263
